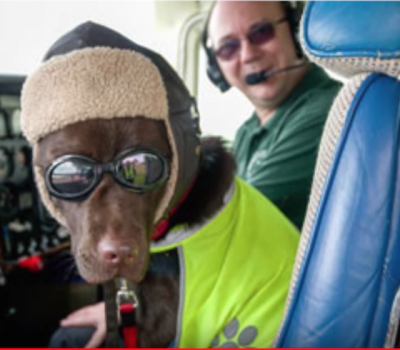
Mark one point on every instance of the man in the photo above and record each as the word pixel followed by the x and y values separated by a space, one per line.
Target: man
pixel 253 47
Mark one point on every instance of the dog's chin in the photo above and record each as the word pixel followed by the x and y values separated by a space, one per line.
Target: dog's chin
pixel 133 276
pixel 96 278
pixel 106 274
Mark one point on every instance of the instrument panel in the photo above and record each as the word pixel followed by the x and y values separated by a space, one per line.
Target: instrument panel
pixel 26 229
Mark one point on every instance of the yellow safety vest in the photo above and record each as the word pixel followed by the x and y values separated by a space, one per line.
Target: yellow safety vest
pixel 234 273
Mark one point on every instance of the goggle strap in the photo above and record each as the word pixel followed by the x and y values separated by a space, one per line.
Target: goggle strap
pixel 162 226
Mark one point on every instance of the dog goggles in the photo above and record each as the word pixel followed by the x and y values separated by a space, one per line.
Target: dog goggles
pixel 72 177
pixel 258 34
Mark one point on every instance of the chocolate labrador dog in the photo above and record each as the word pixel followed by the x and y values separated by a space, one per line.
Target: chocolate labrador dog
pixel 119 162
pixel 110 229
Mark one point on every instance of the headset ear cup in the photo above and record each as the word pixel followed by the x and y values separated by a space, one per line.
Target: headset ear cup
pixel 297 45
pixel 215 74
pixel 213 71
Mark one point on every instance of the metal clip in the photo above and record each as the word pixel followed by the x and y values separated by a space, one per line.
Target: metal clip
pixel 126 295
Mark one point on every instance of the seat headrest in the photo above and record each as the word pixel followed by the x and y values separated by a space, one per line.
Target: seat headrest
pixel 352 37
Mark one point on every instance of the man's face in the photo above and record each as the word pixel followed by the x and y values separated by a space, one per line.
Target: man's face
pixel 234 20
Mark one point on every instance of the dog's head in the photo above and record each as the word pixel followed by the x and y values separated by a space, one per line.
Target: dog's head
pixel 99 101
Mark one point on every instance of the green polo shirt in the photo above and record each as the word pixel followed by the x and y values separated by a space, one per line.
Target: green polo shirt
pixel 279 157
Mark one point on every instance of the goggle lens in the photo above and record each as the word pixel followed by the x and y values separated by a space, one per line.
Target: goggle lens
pixel 140 170
pixel 74 176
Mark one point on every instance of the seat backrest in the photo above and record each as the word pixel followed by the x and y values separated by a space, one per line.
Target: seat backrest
pixel 347 272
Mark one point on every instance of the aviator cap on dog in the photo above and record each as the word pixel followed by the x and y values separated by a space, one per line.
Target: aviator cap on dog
pixel 94 72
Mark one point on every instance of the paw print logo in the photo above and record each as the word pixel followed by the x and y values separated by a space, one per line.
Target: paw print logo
pixel 233 337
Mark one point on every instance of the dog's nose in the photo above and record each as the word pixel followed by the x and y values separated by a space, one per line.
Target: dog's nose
pixel 113 253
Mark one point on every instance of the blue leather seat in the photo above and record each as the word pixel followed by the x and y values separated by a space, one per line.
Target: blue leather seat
pixel 348 267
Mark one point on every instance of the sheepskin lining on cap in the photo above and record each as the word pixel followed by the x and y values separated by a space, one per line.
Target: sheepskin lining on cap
pixel 91 83
pixel 94 83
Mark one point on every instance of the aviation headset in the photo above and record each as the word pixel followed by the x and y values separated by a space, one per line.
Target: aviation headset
pixel 293 11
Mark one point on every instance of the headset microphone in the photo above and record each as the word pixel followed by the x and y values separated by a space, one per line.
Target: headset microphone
pixel 260 77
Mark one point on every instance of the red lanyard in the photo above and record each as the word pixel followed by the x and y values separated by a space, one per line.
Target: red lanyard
pixel 127 304
pixel 128 321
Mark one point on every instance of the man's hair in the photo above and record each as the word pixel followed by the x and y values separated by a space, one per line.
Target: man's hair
pixel 293 11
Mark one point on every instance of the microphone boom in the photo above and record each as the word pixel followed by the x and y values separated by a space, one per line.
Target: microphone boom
pixel 260 77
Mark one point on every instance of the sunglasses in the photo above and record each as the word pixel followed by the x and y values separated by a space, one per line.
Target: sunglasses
pixel 258 34
pixel 73 177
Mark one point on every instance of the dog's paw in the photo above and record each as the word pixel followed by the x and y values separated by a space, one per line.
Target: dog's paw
pixel 234 337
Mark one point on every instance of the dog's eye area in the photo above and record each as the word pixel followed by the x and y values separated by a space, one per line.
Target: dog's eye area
pixel 74 176
pixel 140 169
